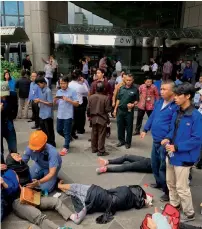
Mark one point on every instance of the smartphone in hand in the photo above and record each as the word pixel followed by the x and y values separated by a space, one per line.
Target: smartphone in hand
pixel 59 97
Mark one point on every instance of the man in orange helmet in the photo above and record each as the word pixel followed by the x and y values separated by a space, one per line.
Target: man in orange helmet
pixel 47 161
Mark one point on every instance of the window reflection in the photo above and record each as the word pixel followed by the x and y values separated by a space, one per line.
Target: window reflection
pixel 21 8
pixel 11 8
pixel 11 21
pixel 78 15
pixel 21 21
pixel 2 21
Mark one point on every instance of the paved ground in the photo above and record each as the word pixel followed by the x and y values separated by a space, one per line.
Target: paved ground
pixel 79 166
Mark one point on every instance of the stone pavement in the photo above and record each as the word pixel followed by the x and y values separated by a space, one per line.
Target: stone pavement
pixel 79 167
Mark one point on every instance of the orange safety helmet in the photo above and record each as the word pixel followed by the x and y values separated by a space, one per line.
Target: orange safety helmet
pixel 37 140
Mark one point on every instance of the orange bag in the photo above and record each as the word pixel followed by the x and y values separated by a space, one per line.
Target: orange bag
pixel 30 196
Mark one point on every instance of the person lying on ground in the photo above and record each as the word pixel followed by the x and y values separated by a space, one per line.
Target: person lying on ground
pixel 92 198
pixel 12 183
pixel 135 164
pixel 9 190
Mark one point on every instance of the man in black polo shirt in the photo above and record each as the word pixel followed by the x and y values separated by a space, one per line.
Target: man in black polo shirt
pixel 26 63
pixel 127 99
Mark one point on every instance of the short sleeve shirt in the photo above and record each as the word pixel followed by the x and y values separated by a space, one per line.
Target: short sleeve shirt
pixel 66 109
pixel 48 158
pixel 127 95
pixel 45 110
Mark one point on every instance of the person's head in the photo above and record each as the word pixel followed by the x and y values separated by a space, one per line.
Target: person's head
pixel 33 76
pixel 16 156
pixel 41 74
pixel 148 81
pixel 167 88
pixel 181 60
pixel 200 92
pixel 184 93
pixel 83 61
pixel 51 58
pixel 5 91
pixel 144 64
pixel 27 57
pixel 129 80
pixel 200 79
pixel 7 76
pixel 37 140
pixel 100 74
pixel 23 73
pixel 41 82
pixel 100 87
pixel 104 57
pixel 76 75
pixel 114 75
pixel 6 70
pixel 178 76
pixel 188 64
pixel 64 81
pixel 194 59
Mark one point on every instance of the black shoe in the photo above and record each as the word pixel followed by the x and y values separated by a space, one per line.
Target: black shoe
pixel 155 186
pixel 30 120
pixel 136 133
pixel 34 127
pixel 102 154
pixel 89 140
pixel 127 146
pixel 164 198
pixel 119 144
pixel 81 132
pixel 75 137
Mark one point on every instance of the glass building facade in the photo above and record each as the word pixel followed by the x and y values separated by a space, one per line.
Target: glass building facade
pixel 12 13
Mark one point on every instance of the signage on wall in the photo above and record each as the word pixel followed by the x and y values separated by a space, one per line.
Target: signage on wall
pixel 103 40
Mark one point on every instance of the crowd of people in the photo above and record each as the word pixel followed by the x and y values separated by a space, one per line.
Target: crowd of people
pixel 174 118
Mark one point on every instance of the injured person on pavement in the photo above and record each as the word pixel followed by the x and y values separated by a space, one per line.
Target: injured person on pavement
pixel 92 198
pixel 127 163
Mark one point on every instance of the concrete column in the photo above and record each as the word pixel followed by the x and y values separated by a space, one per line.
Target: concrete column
pixel 37 28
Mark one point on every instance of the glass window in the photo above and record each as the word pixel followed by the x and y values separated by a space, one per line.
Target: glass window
pixel 11 21
pixel 1 8
pixel 11 8
pixel 21 8
pixel 2 21
pixel 21 21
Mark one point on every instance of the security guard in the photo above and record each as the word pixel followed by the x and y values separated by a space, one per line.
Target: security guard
pixel 127 99
pixel 47 161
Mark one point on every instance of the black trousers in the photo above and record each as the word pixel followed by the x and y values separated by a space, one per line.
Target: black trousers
pixel 79 117
pixel 47 127
pixel 35 113
pixel 125 124
pixel 140 116
pixel 134 164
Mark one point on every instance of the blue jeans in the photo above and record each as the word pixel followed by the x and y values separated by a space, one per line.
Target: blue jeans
pixel 38 172
pixel 158 163
pixel 8 132
pixel 64 128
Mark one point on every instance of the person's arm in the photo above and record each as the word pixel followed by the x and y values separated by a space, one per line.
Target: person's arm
pixel 75 100
pixel 108 107
pixel 49 98
pixel 49 176
pixel 92 90
pixel 149 122
pixel 156 93
pixel 26 155
pixel 114 96
pixel 3 183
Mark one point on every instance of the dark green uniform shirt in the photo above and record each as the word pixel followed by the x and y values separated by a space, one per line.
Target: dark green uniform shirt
pixel 127 95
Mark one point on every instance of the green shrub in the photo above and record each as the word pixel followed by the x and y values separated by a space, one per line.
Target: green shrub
pixel 12 67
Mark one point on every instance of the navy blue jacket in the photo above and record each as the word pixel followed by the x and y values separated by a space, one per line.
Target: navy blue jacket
pixel 160 120
pixel 188 73
pixel 187 137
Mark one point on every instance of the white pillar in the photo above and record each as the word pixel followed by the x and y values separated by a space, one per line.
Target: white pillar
pixel 37 28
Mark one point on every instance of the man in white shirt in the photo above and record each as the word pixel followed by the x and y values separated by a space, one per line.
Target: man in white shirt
pixel 82 90
pixel 49 70
pixel 118 67
pixel 145 68
pixel 154 67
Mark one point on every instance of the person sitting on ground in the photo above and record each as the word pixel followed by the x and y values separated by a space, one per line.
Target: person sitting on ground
pixel 9 189
pixel 93 198
pixel 47 161
pixel 135 164
pixel 98 109
pixel 11 183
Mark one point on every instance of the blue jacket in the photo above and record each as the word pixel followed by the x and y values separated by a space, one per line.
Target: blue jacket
pixel 188 73
pixel 187 137
pixel 11 84
pixel 160 120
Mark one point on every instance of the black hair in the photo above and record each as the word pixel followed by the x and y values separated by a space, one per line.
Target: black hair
pixel 40 73
pixel 178 76
pixel 114 74
pixel 40 79
pixel 101 70
pixel 130 75
pixel 27 55
pixel 23 72
pixel 76 74
pixel 185 89
pixel 149 77
pixel 83 59
pixel 65 79
pixel 100 87
pixel 8 74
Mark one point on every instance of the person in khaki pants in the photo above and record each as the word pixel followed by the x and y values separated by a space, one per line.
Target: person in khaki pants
pixel 183 144
pixel 23 86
